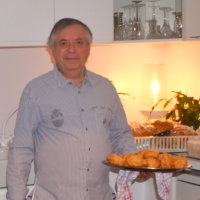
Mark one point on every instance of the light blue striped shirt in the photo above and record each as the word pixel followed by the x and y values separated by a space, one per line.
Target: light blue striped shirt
pixel 68 131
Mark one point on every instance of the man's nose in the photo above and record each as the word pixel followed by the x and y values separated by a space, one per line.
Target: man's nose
pixel 71 47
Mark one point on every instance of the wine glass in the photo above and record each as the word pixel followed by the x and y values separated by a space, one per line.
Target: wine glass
pixel 166 30
pixel 154 29
pixel 125 26
pixel 130 23
pixel 137 29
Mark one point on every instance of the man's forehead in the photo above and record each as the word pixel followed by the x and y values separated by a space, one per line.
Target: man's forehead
pixel 71 33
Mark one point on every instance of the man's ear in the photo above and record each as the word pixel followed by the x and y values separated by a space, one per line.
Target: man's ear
pixel 51 54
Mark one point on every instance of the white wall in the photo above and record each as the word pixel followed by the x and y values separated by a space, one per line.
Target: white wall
pixel 17 67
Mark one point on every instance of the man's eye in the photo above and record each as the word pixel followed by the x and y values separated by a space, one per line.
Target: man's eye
pixel 79 42
pixel 63 43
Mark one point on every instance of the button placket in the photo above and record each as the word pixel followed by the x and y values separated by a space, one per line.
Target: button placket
pixel 82 109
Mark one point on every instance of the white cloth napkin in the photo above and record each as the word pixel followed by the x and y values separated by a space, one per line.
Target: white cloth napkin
pixel 125 179
pixel 163 182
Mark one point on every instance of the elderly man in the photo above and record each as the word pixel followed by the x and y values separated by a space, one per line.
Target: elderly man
pixel 68 121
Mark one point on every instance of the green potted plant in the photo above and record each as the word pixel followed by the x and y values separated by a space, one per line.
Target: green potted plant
pixel 185 110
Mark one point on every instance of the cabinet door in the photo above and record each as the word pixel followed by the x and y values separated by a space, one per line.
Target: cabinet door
pixel 188 186
pixel 97 14
pixel 191 16
pixel 25 22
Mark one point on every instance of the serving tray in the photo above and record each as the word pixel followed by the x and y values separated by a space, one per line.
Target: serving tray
pixel 188 169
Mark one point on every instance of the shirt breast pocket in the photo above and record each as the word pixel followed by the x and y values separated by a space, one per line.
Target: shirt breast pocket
pixel 102 117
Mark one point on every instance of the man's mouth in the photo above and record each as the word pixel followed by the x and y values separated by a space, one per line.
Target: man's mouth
pixel 71 58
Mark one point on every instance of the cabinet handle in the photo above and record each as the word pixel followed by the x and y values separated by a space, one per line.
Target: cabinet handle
pixel 195 37
pixel 187 182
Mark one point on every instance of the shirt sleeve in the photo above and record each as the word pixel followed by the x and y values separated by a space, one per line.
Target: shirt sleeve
pixel 21 151
pixel 120 132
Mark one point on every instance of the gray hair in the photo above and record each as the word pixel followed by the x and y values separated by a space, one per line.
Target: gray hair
pixel 64 23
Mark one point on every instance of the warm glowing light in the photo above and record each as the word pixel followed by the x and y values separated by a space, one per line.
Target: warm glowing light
pixel 155 89
pixel 155 86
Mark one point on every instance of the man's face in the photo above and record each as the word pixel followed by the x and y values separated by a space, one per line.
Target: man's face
pixel 71 49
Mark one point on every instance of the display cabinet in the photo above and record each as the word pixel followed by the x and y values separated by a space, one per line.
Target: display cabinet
pixel 147 19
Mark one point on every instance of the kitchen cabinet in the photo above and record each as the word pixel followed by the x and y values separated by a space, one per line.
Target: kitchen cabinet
pixel 182 16
pixel 147 19
pixel 29 22
pixel 96 14
pixel 25 22
pixel 188 187
pixel 191 16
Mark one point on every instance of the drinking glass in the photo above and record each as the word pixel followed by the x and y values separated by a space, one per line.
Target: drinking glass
pixel 125 26
pixel 137 28
pixel 154 29
pixel 166 30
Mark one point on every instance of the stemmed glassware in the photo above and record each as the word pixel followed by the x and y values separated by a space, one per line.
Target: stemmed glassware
pixel 129 21
pixel 154 29
pixel 137 29
pixel 166 30
pixel 125 26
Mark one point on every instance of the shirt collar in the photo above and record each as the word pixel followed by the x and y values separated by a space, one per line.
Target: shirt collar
pixel 62 81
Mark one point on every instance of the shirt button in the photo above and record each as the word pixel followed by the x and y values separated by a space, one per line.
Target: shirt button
pixel 88 169
pixel 79 91
pixel 89 149
pixel 86 129
pixel 87 189
pixel 82 109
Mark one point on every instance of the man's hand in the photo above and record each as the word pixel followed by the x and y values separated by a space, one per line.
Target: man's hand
pixel 144 175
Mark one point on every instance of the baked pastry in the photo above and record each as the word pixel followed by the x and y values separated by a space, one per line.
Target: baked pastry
pixel 166 160
pixel 115 159
pixel 136 160
pixel 155 127
pixel 148 158
pixel 153 162
pixel 126 156
pixel 150 153
pixel 180 162
pixel 162 126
